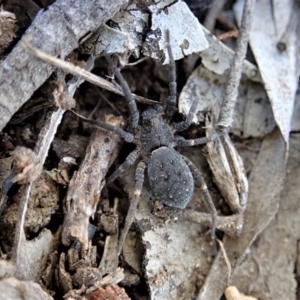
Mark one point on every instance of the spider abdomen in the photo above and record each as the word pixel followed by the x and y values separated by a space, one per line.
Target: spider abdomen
pixel 170 178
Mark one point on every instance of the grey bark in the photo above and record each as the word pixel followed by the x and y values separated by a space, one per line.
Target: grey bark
pixel 55 31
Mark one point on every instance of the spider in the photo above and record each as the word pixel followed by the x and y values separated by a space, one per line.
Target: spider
pixel 171 175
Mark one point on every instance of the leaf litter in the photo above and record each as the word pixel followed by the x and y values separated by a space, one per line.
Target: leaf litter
pixel 175 259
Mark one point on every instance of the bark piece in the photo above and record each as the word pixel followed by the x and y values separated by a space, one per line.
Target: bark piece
pixel 109 260
pixel 253 116
pixel 218 58
pixel 86 184
pixel 178 19
pixel 279 70
pixel 14 289
pixel 57 31
pixel 7 29
pixel 269 271
pixel 34 254
pixel 7 269
pixel 134 21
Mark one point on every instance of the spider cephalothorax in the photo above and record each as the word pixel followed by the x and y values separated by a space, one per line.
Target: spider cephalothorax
pixel 155 132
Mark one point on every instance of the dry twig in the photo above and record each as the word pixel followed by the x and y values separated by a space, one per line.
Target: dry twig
pixel 231 92
pixel 212 15
pixel 81 73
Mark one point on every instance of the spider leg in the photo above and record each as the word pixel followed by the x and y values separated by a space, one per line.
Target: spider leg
pixel 230 225
pixel 182 142
pixel 128 137
pixel 189 119
pixel 130 159
pixel 171 102
pixel 139 180
pixel 134 113
pixel 210 205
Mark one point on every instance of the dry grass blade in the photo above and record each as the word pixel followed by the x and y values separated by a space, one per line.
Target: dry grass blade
pixel 45 139
pixel 227 261
pixel 231 292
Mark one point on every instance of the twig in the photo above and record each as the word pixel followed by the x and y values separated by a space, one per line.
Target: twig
pixel 229 34
pixel 215 9
pixel 235 74
pixel 94 109
pixel 114 278
pixel 82 73
pixel 137 62
pixel 103 97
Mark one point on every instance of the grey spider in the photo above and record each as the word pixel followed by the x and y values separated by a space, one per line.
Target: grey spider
pixel 171 175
